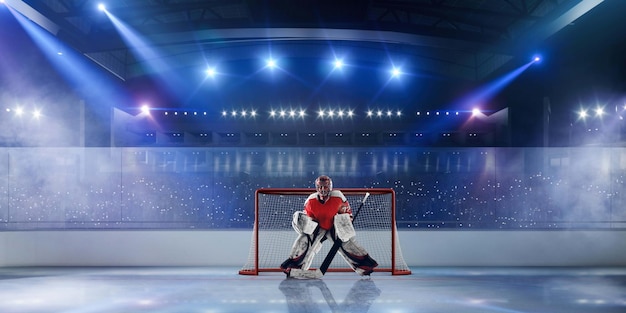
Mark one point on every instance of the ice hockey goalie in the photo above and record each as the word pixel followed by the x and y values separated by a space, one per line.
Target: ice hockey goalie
pixel 326 215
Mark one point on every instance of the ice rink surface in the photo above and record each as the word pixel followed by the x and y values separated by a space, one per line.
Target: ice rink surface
pixel 217 290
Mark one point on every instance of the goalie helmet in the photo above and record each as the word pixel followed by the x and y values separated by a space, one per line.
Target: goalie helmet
pixel 324 185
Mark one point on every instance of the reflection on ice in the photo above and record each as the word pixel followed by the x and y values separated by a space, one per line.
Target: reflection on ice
pixel 303 295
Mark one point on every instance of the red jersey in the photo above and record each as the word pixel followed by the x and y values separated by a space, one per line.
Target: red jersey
pixel 324 213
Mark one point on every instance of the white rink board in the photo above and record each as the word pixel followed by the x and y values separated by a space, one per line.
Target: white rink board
pixel 230 248
pixel 279 243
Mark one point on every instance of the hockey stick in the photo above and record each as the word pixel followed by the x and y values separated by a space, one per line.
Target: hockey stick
pixel 318 273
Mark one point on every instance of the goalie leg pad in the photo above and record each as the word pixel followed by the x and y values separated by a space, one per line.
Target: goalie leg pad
pixel 314 248
pixel 357 257
pixel 300 247
pixel 302 223
pixel 303 250
pixel 343 227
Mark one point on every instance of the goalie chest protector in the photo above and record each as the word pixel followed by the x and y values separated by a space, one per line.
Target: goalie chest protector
pixel 324 213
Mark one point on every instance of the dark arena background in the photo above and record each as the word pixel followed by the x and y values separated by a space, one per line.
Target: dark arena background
pixel 134 135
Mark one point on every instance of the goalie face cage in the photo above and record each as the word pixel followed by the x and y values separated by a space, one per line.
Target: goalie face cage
pixel 273 235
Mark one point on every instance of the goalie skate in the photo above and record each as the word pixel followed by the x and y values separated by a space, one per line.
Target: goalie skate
pixel 305 274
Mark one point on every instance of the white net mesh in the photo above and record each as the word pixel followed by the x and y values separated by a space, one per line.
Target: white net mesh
pixel 273 235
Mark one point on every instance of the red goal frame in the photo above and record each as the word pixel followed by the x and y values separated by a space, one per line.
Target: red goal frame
pixel 395 250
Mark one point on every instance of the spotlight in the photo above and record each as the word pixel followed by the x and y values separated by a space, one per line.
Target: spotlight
pixel 271 63
pixel 475 111
pixel 145 109
pixel 599 111
pixel 536 59
pixel 395 72
pixel 338 63
pixel 211 72
pixel 102 7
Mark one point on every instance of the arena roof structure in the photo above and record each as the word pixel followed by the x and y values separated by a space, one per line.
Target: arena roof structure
pixel 454 56
pixel 467 40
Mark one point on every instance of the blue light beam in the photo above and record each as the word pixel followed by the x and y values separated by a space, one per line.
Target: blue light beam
pixel 488 91
pixel 141 48
pixel 85 77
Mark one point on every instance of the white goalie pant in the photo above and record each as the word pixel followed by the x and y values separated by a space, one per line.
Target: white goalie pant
pixel 309 243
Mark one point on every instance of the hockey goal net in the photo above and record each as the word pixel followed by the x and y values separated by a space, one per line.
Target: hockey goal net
pixel 273 234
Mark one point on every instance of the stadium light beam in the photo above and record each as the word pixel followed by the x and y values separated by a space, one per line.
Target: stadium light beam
pixel 489 90
pixel 79 72
pixel 142 50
